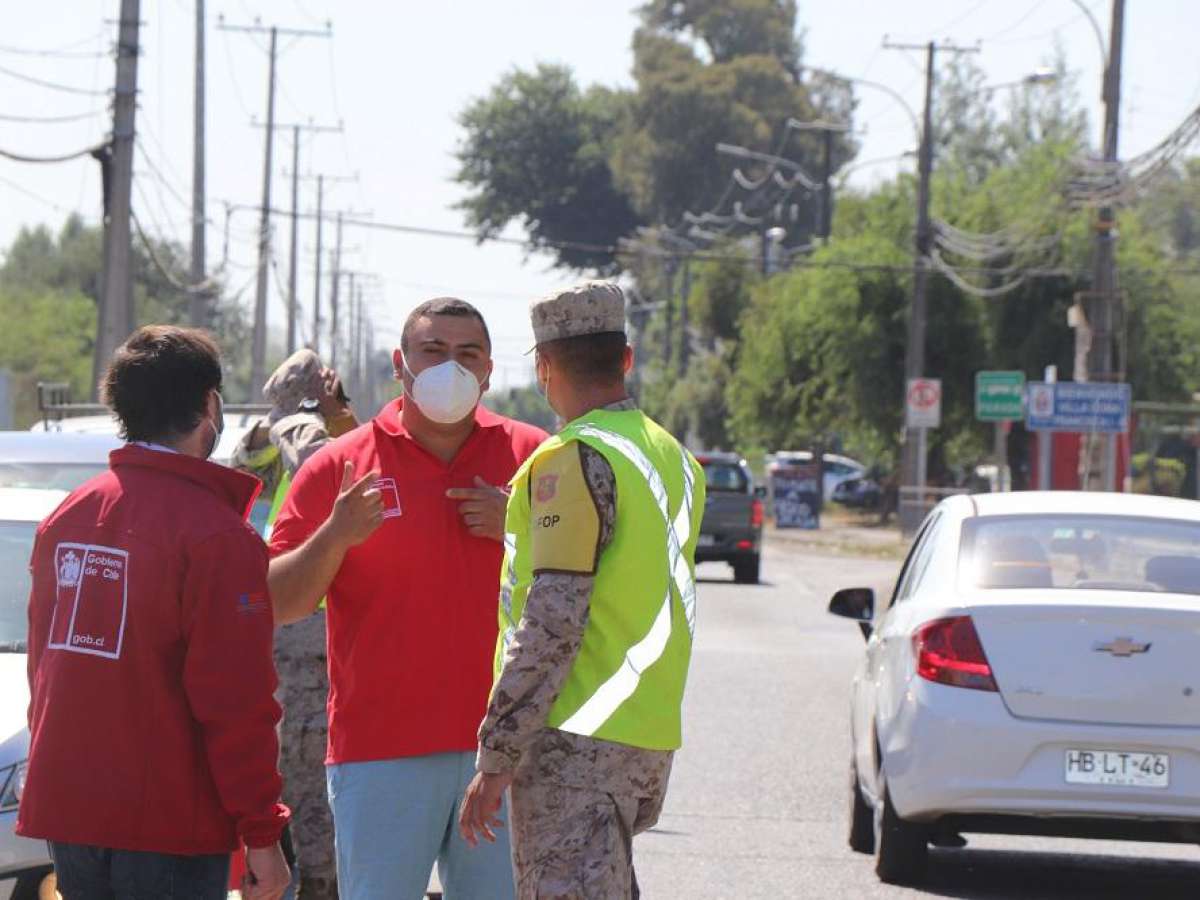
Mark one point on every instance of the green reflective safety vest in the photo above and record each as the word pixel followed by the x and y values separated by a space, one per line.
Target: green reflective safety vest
pixel 626 683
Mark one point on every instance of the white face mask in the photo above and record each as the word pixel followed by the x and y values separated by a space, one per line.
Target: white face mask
pixel 445 393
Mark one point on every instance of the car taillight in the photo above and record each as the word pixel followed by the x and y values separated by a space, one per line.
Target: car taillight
pixel 948 651
pixel 756 513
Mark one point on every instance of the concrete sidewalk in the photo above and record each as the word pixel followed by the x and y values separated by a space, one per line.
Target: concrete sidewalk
pixel 843 535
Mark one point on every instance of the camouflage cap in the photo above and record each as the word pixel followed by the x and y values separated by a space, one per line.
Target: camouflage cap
pixel 592 307
pixel 297 378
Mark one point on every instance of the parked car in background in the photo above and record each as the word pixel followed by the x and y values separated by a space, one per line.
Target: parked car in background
pixel 834 468
pixel 1032 672
pixel 93 435
pixel 58 461
pixel 858 493
pixel 733 517
pixel 25 868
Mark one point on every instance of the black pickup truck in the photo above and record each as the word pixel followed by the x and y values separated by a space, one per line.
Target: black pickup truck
pixel 733 516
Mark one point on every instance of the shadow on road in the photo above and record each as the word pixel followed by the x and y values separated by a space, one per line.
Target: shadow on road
pixel 986 874
pixel 762 582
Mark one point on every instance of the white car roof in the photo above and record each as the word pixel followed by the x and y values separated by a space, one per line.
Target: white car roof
pixel 236 425
pixel 1017 503
pixel 807 455
pixel 56 447
pixel 28 504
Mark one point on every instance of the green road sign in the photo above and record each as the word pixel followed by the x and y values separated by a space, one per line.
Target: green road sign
pixel 999 396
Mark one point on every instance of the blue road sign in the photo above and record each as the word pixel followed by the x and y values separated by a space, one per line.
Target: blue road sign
pixel 1078 406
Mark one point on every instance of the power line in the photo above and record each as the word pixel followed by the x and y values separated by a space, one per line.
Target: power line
pixel 48 120
pixel 70 51
pixel 52 85
pixel 66 157
pixel 30 194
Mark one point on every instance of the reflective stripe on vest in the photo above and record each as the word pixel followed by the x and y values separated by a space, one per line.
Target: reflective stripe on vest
pixel 620 686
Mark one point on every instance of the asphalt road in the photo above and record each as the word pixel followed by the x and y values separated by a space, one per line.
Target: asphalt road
pixel 757 804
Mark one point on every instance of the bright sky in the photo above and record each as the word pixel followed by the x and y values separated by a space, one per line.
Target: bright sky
pixel 398 73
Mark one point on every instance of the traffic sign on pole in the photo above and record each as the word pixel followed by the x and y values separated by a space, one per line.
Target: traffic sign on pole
pixel 999 396
pixel 923 403
pixel 1079 406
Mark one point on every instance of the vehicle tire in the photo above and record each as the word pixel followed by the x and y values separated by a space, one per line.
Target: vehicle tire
pixel 36 884
pixel 746 570
pixel 862 818
pixel 901 848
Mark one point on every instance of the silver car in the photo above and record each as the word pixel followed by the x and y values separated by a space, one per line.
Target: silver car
pixel 1033 672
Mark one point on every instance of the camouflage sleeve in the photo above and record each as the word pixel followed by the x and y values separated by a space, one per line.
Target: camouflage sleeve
pixel 299 437
pixel 547 639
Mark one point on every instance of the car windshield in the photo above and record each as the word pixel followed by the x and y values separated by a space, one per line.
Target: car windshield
pixel 58 476
pixel 725 477
pixel 1116 553
pixel 16 544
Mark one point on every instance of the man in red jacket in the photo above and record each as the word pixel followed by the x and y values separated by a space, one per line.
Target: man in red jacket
pixel 153 750
pixel 411 608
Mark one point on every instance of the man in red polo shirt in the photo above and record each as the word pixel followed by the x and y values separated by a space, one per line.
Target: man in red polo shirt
pixel 400 522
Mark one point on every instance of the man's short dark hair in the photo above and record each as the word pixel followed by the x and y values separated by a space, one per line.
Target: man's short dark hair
pixel 590 357
pixel 443 306
pixel 159 379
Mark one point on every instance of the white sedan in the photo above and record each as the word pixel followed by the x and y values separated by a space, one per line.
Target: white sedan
pixel 25 872
pixel 1034 672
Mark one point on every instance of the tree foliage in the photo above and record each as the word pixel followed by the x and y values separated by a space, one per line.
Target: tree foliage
pixel 50 286
pixel 588 166
pixel 536 151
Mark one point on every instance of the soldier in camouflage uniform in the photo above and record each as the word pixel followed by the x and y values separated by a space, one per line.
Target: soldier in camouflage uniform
pixel 576 800
pixel 308 409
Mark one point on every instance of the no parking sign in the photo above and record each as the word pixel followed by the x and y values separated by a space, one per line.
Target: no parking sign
pixel 923 403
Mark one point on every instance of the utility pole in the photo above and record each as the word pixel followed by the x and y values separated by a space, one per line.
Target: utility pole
pixel 316 332
pixel 258 349
pixel 258 346
pixel 198 312
pixel 321 181
pixel 333 295
pixel 116 317
pixel 685 292
pixel 292 297
pixel 1100 451
pixel 913 463
pixel 292 256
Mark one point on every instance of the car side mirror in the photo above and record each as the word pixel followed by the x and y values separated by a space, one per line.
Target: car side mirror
pixel 760 491
pixel 857 604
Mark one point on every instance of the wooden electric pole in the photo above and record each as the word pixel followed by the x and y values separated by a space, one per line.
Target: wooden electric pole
pixel 116 317
pixel 198 301
pixel 258 346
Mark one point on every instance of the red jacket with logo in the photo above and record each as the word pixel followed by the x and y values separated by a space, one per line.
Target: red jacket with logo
pixel 150 631
pixel 412 610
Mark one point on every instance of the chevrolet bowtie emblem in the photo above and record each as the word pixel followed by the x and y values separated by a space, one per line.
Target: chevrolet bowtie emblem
pixel 1121 647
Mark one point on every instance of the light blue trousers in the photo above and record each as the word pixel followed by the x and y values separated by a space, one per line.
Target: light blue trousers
pixel 394 818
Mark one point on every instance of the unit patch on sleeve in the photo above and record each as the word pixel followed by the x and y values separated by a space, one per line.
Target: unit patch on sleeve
pixel 565 524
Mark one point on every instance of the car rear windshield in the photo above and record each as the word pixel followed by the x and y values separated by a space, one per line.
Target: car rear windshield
pixel 1113 553
pixel 16 544
pixel 59 476
pixel 725 477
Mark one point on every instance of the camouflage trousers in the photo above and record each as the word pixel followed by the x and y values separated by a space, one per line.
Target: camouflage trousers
pixel 572 843
pixel 300 659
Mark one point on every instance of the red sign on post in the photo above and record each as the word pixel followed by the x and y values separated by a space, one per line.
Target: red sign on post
pixel 923 403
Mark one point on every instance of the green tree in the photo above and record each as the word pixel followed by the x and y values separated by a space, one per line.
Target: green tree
pixel 536 151
pixel 525 404
pixel 50 287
